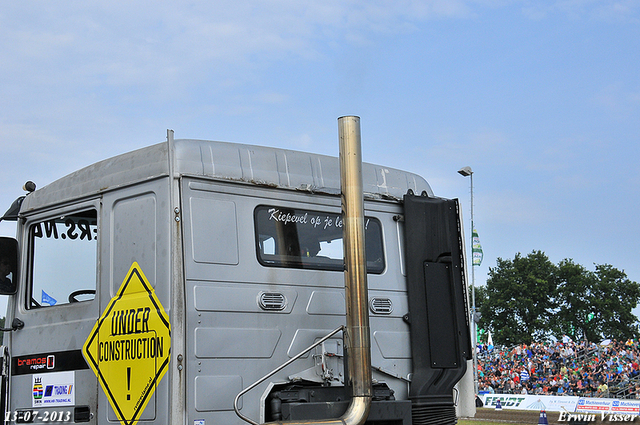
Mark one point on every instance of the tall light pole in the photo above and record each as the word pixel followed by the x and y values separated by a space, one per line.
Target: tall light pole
pixel 467 172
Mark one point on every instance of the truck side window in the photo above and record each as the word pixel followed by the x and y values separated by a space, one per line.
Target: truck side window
pixel 296 238
pixel 63 260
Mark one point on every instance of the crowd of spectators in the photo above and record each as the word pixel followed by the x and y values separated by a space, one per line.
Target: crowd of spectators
pixel 608 369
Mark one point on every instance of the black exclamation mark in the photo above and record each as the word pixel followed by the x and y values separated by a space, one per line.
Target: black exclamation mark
pixel 128 382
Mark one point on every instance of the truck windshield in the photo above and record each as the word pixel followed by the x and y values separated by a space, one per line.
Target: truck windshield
pixel 297 238
pixel 63 266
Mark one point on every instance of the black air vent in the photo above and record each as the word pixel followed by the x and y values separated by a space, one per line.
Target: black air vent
pixel 381 305
pixel 272 301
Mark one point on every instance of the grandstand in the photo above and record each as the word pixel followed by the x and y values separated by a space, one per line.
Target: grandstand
pixel 586 369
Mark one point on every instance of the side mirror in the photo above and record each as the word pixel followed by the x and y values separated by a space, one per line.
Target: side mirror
pixel 8 266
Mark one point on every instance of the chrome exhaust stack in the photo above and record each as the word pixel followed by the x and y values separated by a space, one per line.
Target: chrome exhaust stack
pixel 356 333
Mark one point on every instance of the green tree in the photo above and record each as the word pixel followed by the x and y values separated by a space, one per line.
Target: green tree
pixel 614 298
pixel 520 299
pixel 529 298
pixel 481 298
pixel 595 305
pixel 575 300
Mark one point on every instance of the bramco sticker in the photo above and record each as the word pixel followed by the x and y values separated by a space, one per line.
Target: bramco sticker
pixel 60 361
pixel 129 346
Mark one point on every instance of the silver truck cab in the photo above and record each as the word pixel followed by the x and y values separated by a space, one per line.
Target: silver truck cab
pixel 155 286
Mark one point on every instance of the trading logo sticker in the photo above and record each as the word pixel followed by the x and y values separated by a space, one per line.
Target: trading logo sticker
pixel 54 389
pixel 129 346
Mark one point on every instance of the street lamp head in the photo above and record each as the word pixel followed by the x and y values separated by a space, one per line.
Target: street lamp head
pixel 465 171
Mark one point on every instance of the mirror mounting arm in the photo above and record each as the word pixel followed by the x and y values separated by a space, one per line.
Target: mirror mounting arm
pixel 16 325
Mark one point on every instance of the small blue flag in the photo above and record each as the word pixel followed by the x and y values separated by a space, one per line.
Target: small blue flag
pixel 48 299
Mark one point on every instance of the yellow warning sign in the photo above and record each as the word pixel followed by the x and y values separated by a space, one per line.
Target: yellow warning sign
pixel 128 348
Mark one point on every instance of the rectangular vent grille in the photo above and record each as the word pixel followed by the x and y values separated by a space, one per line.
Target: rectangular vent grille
pixel 272 301
pixel 381 305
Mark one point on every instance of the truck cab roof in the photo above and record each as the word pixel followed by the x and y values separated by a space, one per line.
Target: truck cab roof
pixel 248 164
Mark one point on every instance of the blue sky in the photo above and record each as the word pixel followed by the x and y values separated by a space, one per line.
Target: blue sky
pixel 541 99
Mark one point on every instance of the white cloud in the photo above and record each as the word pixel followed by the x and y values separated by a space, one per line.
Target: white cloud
pixel 302 142
pixel 512 207
pixel 271 97
pixel 620 101
pixel 602 10
pixel 619 11
pixel 141 43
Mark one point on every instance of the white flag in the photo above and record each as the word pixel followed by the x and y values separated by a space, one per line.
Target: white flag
pixel 476 249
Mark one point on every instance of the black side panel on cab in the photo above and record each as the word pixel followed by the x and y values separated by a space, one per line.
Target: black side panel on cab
pixel 440 336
